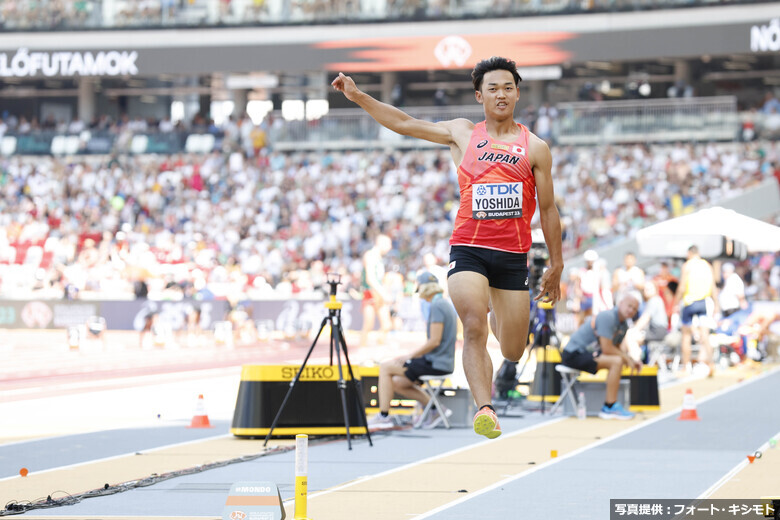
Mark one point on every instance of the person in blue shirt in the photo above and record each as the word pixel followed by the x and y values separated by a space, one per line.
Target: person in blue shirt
pixel 597 344
pixel 435 357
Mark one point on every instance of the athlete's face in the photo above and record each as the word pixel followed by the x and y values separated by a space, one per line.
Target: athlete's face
pixel 498 93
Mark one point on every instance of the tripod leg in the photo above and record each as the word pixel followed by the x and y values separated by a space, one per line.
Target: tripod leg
pixel 540 340
pixel 334 338
pixel 295 380
pixel 357 385
pixel 331 343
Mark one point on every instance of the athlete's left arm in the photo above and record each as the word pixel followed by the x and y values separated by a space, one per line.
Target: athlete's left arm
pixel 550 286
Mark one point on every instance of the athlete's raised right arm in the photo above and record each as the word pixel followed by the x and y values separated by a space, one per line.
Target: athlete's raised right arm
pixel 397 120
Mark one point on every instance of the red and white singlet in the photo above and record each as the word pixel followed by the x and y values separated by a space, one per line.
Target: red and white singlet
pixel 497 193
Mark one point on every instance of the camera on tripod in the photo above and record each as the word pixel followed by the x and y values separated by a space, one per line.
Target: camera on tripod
pixel 334 280
pixel 338 346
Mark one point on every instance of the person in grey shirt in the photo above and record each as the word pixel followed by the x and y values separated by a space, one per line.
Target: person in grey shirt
pixel 435 357
pixel 596 345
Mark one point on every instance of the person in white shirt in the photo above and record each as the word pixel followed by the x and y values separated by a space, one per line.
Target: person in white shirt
pixel 652 324
pixel 628 277
pixel 732 296
pixel 589 282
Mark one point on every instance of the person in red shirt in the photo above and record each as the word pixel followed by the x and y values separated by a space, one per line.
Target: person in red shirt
pixel 503 169
pixel 666 283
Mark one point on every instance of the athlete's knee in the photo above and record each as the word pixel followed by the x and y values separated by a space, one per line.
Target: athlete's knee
pixel 474 327
pixel 512 353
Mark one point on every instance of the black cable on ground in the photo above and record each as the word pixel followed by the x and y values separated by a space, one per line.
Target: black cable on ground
pixel 15 507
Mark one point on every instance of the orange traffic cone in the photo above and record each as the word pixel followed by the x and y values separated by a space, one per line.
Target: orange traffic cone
pixel 200 419
pixel 688 408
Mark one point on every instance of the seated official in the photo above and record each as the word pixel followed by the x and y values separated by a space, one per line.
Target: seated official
pixel 435 357
pixel 597 344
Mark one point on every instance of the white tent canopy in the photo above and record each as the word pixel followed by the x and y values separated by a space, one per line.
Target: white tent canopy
pixel 707 228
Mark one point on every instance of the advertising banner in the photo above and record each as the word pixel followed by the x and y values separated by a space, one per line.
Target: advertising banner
pixel 289 316
pixel 431 51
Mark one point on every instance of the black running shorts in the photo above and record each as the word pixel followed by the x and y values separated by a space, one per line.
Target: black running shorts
pixel 420 366
pixel 503 270
pixel 580 359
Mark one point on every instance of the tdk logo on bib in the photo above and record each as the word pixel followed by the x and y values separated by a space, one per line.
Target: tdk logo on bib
pixel 497 200
pixel 499 189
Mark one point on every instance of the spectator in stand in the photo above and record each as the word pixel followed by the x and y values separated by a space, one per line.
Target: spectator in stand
pixel 603 299
pixel 589 286
pixel 652 325
pixel 663 282
pixel 771 103
pixel 545 121
pixel 732 293
pixel 165 126
pixel 629 277
pixel 264 212
pixel 375 298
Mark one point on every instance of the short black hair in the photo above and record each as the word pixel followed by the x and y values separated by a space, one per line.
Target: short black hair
pixel 490 64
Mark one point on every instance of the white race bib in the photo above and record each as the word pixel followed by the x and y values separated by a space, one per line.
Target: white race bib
pixel 497 200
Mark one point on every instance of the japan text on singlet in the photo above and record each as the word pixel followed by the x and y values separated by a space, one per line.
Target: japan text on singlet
pixel 497 193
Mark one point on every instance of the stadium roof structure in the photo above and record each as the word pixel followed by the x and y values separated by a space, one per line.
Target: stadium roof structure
pixel 710 229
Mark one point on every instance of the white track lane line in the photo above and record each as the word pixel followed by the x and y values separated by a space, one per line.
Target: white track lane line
pixel 367 478
pixel 114 457
pixel 588 447
pixel 736 469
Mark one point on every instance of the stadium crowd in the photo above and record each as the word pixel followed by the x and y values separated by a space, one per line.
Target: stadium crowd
pixel 269 224
pixel 60 14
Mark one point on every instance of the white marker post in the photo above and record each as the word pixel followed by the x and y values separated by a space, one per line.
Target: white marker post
pixel 301 475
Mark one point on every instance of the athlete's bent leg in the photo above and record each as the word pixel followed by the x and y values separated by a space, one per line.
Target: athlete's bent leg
pixel 511 309
pixel 469 294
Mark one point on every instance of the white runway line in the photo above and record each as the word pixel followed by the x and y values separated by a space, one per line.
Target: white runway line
pixel 114 457
pixel 731 473
pixel 589 447
pixel 429 459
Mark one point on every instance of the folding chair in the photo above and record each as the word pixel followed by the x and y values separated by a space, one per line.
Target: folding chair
pixel 433 391
pixel 659 354
pixel 568 378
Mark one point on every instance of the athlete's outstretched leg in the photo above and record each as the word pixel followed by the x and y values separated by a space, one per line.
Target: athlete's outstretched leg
pixel 469 294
